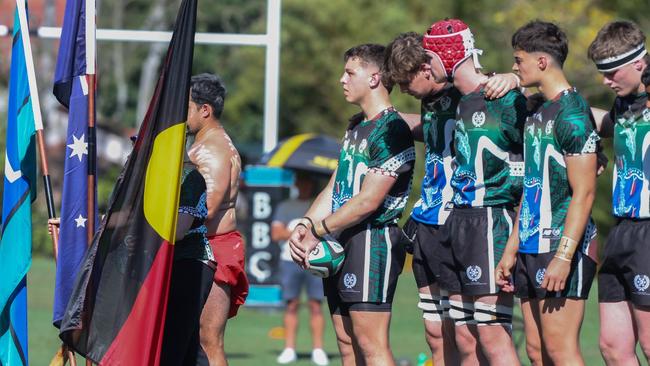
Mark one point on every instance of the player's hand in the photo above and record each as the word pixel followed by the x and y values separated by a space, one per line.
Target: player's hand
pixel 503 272
pixel 309 242
pixel 53 226
pixel 556 275
pixel 500 84
pixel 295 244
pixel 602 162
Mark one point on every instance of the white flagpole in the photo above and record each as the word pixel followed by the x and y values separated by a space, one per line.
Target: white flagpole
pixel 29 60
pixel 38 119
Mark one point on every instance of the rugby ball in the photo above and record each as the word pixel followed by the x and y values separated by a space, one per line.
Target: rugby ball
pixel 327 258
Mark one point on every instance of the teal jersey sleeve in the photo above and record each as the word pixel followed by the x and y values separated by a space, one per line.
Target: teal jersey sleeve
pixel 574 127
pixel 390 147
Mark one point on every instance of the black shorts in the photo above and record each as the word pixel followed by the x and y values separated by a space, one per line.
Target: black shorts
pixel 625 272
pixel 477 238
pixel 428 250
pixel 530 270
pixel 191 282
pixel 374 258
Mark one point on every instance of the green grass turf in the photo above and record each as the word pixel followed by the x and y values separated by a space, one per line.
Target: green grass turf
pixel 249 337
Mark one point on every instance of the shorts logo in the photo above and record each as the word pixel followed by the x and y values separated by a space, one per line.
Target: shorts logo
pixel 539 276
pixel 641 282
pixel 473 273
pixel 349 280
pixel 478 119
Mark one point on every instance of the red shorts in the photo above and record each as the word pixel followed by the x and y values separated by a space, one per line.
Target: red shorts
pixel 229 252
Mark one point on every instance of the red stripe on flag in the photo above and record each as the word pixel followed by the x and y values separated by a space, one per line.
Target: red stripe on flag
pixel 139 341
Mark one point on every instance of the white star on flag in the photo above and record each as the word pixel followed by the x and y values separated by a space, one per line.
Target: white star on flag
pixel 79 147
pixel 81 221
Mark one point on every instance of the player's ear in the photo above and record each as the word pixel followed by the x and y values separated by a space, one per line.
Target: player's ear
pixel 638 65
pixel 426 69
pixel 206 110
pixel 542 62
pixel 375 80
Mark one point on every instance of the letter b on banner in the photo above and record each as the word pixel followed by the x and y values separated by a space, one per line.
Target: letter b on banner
pixel 262 205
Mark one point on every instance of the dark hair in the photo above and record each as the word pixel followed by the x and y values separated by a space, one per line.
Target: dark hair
pixel 404 56
pixel 645 77
pixel 370 54
pixel 367 53
pixel 539 36
pixel 208 89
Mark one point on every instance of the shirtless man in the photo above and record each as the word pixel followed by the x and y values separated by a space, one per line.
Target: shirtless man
pixel 219 163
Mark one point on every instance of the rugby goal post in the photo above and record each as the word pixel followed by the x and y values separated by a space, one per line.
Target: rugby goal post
pixel 270 40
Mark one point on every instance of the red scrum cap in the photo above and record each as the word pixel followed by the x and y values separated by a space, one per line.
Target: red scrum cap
pixel 453 42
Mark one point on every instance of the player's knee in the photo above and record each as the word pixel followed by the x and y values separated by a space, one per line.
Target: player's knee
pixel 314 307
pixel 534 352
pixel 293 306
pixel 560 350
pixel 370 344
pixel 465 340
pixel 611 348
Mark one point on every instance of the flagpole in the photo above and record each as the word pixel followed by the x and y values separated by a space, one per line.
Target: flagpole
pixel 91 74
pixel 38 119
pixel 92 146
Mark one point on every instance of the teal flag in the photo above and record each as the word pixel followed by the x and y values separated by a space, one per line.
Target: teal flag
pixel 19 193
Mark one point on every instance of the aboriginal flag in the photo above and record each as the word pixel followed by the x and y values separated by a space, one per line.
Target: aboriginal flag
pixel 116 313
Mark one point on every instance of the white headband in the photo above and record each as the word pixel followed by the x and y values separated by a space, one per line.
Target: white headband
pixel 616 62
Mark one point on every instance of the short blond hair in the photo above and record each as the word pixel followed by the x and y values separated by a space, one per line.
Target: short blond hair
pixel 616 38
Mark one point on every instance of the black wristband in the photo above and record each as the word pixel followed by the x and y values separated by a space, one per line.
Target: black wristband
pixel 327 230
pixel 315 234
pixel 313 228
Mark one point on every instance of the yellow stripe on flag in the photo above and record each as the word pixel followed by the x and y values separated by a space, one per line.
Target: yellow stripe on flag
pixel 162 182
pixel 287 149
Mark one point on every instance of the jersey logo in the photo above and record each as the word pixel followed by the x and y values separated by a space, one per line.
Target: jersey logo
pixel 445 103
pixel 549 126
pixel 363 145
pixel 473 273
pixel 641 282
pixel 349 280
pixel 478 119
pixel 646 115
pixel 539 276
pixel 551 233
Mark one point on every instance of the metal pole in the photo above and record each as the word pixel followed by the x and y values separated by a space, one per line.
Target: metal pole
pixel 126 35
pixel 272 80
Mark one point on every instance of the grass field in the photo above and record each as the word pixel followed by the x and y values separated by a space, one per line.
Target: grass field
pixel 253 337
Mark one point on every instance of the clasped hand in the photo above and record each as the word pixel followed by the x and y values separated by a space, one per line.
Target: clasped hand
pixel 301 243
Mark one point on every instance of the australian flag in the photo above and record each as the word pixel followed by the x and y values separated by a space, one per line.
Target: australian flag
pixel 75 65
